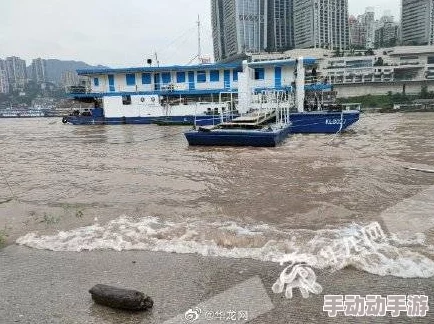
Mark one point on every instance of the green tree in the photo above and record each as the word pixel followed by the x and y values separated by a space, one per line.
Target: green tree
pixel 379 62
pixel 369 52
pixel 424 94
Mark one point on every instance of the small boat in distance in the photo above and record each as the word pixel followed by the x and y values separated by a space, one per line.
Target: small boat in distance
pixel 22 112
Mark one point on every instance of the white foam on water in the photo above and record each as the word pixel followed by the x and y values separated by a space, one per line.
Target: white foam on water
pixel 364 247
pixel 408 238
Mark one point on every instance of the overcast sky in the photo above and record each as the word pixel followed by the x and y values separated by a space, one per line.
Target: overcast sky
pixel 115 32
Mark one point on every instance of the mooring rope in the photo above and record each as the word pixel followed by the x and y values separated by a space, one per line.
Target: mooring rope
pixel 340 128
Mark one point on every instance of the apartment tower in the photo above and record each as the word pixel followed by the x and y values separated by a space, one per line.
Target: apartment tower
pixel 417 22
pixel 250 26
pixel 321 24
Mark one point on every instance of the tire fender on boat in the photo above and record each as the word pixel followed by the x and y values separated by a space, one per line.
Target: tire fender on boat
pixel 64 120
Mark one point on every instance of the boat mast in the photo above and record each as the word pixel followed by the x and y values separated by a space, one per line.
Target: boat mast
pixel 156 59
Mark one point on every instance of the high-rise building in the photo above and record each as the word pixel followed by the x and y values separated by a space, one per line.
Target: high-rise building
pixel 39 70
pixel 218 38
pixel 417 22
pixel 368 33
pixel 239 27
pixel 4 81
pixel 280 25
pixel 368 22
pixel 321 24
pixel 70 78
pixel 255 26
pixel 357 33
pixel 16 71
pixel 387 35
pixel 387 32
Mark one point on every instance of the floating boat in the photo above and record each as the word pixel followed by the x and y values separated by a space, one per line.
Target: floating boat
pixel 207 94
pixel 239 132
pixel 274 115
pixel 266 126
pixel 317 111
pixel 201 94
pixel 322 122
pixel 267 137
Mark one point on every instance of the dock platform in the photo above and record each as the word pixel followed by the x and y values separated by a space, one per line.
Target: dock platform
pixel 255 129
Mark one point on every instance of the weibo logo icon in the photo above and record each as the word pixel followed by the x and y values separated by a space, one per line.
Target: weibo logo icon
pixel 192 315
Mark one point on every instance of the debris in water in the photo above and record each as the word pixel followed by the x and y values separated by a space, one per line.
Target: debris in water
pixel 302 277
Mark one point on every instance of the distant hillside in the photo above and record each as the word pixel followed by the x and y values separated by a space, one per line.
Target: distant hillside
pixel 55 68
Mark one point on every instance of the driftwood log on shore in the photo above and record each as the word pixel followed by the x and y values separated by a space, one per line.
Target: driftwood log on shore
pixel 121 298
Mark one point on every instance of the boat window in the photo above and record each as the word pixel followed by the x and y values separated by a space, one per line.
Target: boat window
pixel 180 77
pixel 146 78
pixel 259 74
pixel 96 82
pixel 201 76
pixel 235 75
pixel 166 78
pixel 126 100
pixel 131 79
pixel 214 76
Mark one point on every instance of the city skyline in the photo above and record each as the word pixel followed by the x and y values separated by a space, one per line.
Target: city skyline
pixel 117 35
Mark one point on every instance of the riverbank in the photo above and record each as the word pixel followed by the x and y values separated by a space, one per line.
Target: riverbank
pixel 49 287
pixel 386 102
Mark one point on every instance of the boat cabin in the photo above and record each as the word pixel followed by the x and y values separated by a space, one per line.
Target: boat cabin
pixel 195 80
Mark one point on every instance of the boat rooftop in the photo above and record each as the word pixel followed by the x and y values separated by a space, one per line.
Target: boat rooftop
pixel 174 68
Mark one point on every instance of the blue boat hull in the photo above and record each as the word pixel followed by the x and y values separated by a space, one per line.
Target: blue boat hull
pixel 257 138
pixel 205 120
pixel 322 122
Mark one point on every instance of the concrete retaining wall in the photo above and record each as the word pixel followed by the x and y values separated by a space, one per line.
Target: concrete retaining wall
pixel 381 88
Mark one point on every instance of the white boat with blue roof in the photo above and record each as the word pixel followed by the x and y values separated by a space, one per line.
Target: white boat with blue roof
pixel 205 94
